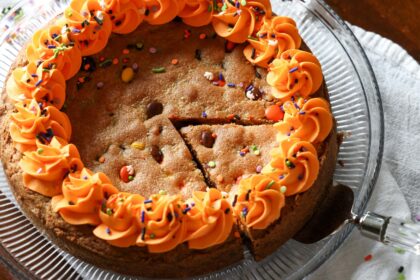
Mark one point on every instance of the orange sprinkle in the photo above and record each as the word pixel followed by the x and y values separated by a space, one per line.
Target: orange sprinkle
pixel 81 79
pixel 236 234
pixel 87 66
pixel 101 159
pixel 203 36
pixel 174 61
pixel 126 51
pixel 115 61
pixel 214 135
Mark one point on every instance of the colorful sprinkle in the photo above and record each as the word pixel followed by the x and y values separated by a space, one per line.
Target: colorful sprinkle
pixel 212 164
pixel 269 185
pixel 108 231
pixel 152 50
pixel 99 85
pixel 101 159
pixel 231 85
pixel 105 63
pixel 203 36
pixel 125 51
pixel 283 189
pixel 204 114
pixel 38 83
pixel 174 61
pixel 163 192
pixel 159 70
pixel 127 75
pixel 115 61
pixel 289 164
pixel 418 217
pixel 135 67
pixel 138 145
pixel 399 251
pixel 142 216
pixel 148 201
pixel 40 150
pixel 152 236
pixel 109 211
pixel 258 169
pixel 294 69
pixel 235 199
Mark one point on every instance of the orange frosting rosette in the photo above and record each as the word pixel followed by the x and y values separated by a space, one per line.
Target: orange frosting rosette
pixel 162 221
pixel 236 22
pixel 294 165
pixel 209 219
pixel 48 86
pixel 86 23
pixel 83 194
pixel 45 169
pixel 259 201
pixel 197 12
pixel 295 73
pixel 162 11
pixel 309 120
pixel 119 214
pixel 31 122
pixel 126 15
pixel 55 50
pixel 276 35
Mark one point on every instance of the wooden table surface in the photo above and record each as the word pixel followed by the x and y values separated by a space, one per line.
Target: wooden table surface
pixel 396 20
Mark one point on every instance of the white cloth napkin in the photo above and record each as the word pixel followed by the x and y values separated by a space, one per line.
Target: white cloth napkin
pixel 398 188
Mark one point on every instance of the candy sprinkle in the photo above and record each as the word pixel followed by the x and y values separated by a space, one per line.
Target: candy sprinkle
pixel 127 75
pixel 418 217
pixel 294 69
pixel 99 85
pixel 138 145
pixel 203 36
pixel 212 164
pixel 174 61
pixel 258 169
pixel 159 70
pixel 152 50
pixel 108 231
pixel 283 189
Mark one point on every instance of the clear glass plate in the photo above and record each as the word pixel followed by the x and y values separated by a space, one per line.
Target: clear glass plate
pixel 356 106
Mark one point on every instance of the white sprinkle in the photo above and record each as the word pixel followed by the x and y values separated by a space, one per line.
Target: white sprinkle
pixel 39 171
pixel 225 194
pixel 273 42
pixel 102 4
pixel 209 76
pixel 100 15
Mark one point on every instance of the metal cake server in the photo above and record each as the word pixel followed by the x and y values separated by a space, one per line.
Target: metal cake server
pixel 336 211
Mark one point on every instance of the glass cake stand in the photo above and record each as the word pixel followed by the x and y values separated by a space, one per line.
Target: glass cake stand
pixel 356 106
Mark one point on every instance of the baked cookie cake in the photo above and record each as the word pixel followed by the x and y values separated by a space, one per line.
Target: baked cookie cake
pixel 158 138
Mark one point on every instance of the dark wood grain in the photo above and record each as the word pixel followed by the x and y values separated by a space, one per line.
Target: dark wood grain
pixel 396 20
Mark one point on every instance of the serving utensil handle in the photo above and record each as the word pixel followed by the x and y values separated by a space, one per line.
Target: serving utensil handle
pixel 391 231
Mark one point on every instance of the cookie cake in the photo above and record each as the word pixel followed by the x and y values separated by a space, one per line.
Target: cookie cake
pixel 158 138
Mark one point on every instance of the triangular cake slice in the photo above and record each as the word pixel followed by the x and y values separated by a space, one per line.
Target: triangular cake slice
pixel 229 152
pixel 153 150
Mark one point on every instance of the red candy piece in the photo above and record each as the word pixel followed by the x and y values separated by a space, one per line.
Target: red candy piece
pixel 124 174
pixel 274 113
pixel 368 258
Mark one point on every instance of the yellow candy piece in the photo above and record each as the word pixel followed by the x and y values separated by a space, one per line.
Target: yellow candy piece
pixel 127 75
pixel 138 145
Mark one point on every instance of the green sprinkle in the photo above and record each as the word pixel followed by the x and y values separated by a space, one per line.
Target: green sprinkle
pixel 209 8
pixel 159 70
pixel 109 211
pixel 243 2
pixel 40 150
pixel 269 185
pixel 45 70
pixel 212 164
pixel 252 38
pixel 401 276
pixel 283 189
pixel 152 236
pixel 139 46
pixel 69 13
pixel 162 192
pixel 224 8
pixel 130 178
pixel 106 63
pixel 290 164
